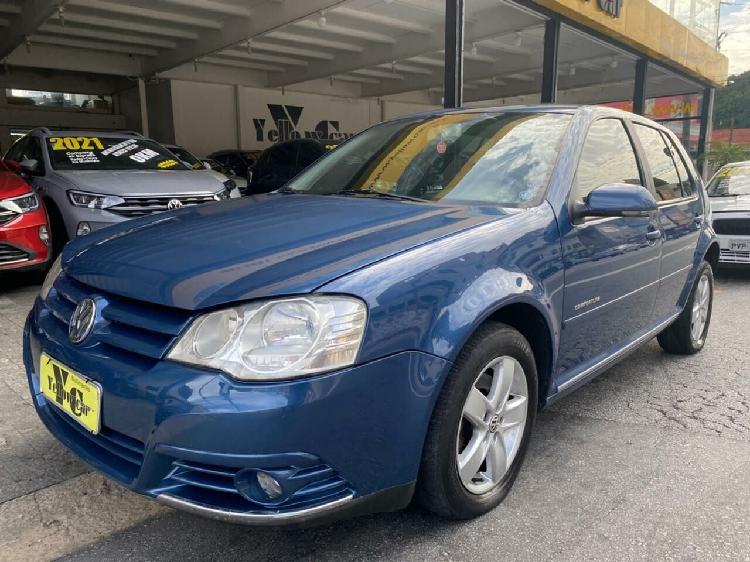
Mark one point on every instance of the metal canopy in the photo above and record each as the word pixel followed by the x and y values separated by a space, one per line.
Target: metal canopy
pixel 378 47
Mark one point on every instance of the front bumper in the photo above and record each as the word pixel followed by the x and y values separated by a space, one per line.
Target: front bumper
pixel 21 246
pixel 733 228
pixel 342 443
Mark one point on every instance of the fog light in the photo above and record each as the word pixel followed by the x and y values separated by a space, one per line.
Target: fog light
pixel 83 229
pixel 269 485
pixel 44 235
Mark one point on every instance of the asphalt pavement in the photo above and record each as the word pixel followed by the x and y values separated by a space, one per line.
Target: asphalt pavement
pixel 649 461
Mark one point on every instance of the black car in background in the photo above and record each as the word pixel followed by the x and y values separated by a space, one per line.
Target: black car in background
pixel 238 162
pixel 281 162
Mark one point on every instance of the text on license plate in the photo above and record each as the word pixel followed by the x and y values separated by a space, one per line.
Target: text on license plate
pixel 739 245
pixel 74 394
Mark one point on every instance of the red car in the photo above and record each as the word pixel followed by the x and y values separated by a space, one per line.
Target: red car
pixel 24 228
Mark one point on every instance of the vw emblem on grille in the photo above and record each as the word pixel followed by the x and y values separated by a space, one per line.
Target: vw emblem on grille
pixel 174 204
pixel 82 321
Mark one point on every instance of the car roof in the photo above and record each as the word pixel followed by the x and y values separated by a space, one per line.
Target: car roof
pixel 48 132
pixel 742 164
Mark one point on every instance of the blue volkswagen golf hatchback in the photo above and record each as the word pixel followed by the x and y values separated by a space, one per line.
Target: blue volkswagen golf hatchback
pixel 383 328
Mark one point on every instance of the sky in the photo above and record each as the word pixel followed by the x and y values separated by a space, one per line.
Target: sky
pixel 735 21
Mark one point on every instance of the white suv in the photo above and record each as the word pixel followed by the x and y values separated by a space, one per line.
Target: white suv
pixel 90 179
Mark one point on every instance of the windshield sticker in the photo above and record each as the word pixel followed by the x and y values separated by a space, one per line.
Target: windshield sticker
pixel 87 157
pixel 167 164
pixel 144 155
pixel 75 143
pixel 120 148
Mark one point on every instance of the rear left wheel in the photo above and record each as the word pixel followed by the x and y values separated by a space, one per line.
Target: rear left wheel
pixel 481 425
pixel 687 334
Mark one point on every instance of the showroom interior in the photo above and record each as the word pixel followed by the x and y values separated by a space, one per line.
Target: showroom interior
pixel 229 74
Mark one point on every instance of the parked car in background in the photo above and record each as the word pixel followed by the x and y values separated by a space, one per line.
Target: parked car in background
pixel 281 162
pixel 239 181
pixel 24 229
pixel 237 162
pixel 729 190
pixel 195 163
pixel 401 310
pixel 89 180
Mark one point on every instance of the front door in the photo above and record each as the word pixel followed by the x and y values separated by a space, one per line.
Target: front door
pixel 611 264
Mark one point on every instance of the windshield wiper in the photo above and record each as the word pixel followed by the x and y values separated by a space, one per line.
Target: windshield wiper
pixel 376 193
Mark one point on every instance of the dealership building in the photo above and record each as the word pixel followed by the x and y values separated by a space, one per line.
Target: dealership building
pixel 224 74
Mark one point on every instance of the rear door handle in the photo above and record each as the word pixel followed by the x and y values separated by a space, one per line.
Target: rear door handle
pixel 698 220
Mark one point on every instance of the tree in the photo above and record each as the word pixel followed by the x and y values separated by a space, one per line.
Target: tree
pixel 723 153
pixel 732 103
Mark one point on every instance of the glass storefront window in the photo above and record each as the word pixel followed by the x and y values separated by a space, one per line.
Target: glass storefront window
pixel 64 100
pixel 699 16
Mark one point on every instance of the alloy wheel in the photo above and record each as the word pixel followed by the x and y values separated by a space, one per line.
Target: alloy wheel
pixel 492 424
pixel 701 305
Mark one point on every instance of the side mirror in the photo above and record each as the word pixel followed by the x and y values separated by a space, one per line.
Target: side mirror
pixel 29 166
pixel 617 200
pixel 207 165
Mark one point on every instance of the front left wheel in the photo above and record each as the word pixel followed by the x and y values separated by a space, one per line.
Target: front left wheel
pixel 480 426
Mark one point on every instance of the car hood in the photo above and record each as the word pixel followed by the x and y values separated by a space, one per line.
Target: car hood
pixel 143 182
pixel 727 204
pixel 257 247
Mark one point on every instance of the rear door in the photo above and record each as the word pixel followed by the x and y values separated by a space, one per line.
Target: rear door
pixel 611 264
pixel 680 212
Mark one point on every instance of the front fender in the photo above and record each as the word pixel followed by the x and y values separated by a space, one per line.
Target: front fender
pixel 432 298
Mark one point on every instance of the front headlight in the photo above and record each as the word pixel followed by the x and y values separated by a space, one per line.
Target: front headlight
pixel 52 275
pixel 94 200
pixel 22 204
pixel 274 340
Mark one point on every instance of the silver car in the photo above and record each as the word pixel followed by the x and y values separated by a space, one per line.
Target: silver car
pixel 89 180
pixel 729 191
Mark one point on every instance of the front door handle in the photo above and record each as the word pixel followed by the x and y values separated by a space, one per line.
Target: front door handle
pixel 653 235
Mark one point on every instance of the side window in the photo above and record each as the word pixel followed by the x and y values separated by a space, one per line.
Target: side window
pixel 16 151
pixel 34 152
pixel 607 157
pixel 667 181
pixel 686 180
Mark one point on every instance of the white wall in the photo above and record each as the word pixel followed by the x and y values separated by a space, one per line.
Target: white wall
pixel 210 117
pixel 269 116
pixel 204 116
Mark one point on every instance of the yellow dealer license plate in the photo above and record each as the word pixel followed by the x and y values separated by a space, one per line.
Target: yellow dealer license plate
pixel 74 394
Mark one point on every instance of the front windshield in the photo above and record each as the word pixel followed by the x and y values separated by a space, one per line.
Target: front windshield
pixel 729 181
pixel 110 153
pixel 498 158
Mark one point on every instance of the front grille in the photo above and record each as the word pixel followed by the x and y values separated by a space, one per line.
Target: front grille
pixel 141 206
pixel 131 327
pixel 739 227
pixel 122 454
pixel 11 254
pixel 220 485
pixel 730 256
pixel 6 215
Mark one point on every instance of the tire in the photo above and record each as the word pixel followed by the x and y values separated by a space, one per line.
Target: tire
pixel 441 488
pixel 679 338
pixel 57 228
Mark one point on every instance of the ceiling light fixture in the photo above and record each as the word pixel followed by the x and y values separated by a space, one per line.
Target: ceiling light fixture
pixel 517 39
pixel 474 49
pixel 614 63
pixel 572 70
pixel 322 20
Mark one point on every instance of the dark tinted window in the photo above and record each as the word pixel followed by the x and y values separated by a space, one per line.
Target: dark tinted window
pixel 667 181
pixel 499 158
pixel 17 151
pixel 686 180
pixel 110 153
pixel 607 157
